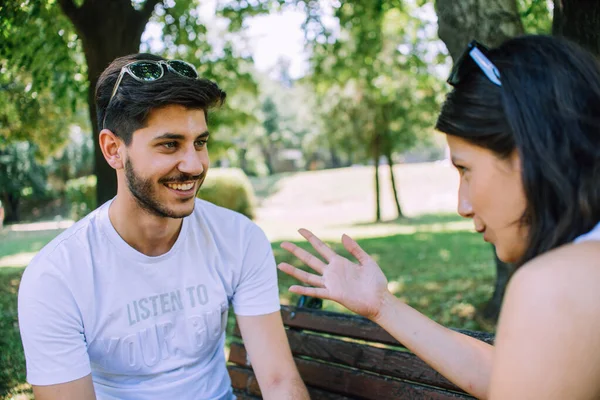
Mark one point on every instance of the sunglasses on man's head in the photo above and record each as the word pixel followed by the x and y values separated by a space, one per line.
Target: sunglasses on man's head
pixel 475 52
pixel 149 71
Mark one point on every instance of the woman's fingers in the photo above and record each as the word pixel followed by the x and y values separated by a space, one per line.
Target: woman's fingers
pixel 303 276
pixel 304 256
pixel 318 245
pixel 310 291
pixel 354 249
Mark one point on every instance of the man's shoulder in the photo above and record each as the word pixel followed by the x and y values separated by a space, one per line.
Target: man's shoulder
pixel 206 206
pixel 213 212
pixel 70 242
pixel 223 222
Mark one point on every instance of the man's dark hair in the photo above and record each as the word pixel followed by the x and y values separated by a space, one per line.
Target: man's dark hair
pixel 548 110
pixel 134 100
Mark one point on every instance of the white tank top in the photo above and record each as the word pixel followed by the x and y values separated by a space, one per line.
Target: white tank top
pixel 594 234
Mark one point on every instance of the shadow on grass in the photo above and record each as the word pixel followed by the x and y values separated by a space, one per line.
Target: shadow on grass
pixel 425 219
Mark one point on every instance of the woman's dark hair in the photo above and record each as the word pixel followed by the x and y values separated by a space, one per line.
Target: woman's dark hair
pixel 129 109
pixel 548 110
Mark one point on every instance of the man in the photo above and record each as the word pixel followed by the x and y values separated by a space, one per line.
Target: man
pixel 131 302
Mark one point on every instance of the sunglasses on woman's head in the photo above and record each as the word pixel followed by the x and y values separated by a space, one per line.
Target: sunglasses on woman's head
pixel 475 52
pixel 149 71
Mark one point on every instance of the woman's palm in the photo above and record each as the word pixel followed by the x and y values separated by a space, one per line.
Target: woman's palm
pixel 358 287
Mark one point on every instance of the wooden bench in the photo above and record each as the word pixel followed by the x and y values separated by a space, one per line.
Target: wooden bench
pixel 343 356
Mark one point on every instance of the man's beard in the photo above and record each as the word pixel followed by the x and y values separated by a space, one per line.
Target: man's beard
pixel 144 193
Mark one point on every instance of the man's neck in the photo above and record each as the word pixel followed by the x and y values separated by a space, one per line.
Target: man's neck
pixel 149 234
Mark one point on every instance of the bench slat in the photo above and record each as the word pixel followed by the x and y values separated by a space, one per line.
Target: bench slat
pixel 361 371
pixel 244 396
pixel 346 381
pixel 350 325
pixel 403 365
pixel 246 386
pixel 243 379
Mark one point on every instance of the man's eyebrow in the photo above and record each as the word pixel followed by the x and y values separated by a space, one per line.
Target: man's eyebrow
pixel 178 136
pixel 172 136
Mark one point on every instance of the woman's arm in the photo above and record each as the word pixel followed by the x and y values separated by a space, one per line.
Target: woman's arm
pixel 463 360
pixel 362 288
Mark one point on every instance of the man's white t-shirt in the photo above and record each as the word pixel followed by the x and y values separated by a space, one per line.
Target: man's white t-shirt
pixel 145 327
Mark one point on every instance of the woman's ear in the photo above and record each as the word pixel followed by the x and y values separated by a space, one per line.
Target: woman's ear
pixel 515 160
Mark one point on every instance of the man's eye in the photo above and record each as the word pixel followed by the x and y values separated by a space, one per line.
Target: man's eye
pixel 201 143
pixel 170 145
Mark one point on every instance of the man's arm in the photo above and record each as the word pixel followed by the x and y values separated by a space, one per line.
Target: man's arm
pixel 53 336
pixel 80 389
pixel 269 351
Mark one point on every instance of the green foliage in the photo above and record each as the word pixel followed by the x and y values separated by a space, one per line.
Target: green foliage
pixel 378 92
pixel 229 188
pixel 21 173
pixel 81 194
pixel 73 160
pixel 536 16
pixel 282 117
pixel 42 73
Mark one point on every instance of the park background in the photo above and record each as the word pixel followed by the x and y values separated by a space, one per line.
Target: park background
pixel 328 126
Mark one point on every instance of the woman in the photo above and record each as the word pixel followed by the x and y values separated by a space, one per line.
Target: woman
pixel 523 127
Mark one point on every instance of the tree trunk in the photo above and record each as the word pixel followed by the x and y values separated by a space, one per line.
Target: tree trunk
pixel 388 156
pixel 243 151
pixel 335 159
pixel 108 29
pixel 376 155
pixel 350 158
pixel 268 159
pixel 578 20
pixel 490 22
pixel 13 211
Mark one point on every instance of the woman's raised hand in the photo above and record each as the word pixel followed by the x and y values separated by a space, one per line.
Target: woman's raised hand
pixel 360 287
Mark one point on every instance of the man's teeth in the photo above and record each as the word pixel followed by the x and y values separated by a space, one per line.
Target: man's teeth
pixel 180 186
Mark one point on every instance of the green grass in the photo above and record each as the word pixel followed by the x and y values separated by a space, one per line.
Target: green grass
pixel 12 243
pixel 12 360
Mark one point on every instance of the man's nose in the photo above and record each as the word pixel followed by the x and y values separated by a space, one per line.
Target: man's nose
pixel 192 162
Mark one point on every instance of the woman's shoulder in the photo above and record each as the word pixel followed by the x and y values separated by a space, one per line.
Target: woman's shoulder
pixel 573 259
pixel 560 281
pixel 550 319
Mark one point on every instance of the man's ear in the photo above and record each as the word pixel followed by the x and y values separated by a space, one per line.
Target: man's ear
pixel 111 145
